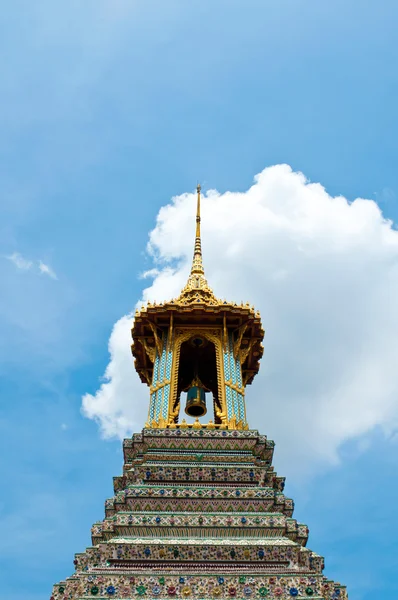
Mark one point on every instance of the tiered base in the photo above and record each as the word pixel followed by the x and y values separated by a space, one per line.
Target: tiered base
pixel 198 514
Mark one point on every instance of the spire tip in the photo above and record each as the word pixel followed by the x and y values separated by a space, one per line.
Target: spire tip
pixel 197 289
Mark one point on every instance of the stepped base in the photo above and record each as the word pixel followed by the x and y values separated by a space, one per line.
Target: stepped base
pixel 155 541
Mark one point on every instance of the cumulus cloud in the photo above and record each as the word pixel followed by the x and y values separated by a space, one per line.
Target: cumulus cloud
pixel 324 274
pixel 120 404
pixel 24 264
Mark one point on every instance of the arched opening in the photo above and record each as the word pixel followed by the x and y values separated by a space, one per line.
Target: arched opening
pixel 197 378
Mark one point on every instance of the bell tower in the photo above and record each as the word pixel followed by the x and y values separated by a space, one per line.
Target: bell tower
pixel 198 512
pixel 197 350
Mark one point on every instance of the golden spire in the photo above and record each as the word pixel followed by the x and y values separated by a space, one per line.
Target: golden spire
pixel 197 264
pixel 197 289
pixel 198 188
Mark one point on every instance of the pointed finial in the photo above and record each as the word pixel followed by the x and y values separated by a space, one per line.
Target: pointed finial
pixel 197 266
pixel 198 188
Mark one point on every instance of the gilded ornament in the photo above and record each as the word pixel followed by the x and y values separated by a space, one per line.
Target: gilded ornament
pixel 151 351
pixel 238 342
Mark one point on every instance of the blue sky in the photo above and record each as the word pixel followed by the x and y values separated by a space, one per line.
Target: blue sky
pixel 108 109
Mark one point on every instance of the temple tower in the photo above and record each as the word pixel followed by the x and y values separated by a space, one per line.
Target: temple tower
pixel 199 511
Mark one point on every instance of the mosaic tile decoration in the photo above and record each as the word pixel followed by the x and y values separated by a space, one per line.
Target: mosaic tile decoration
pixel 198 514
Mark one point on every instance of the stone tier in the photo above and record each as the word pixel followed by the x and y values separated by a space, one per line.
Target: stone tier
pixel 281 555
pixel 187 524
pixel 146 584
pixel 174 498
pixel 197 441
pixel 197 473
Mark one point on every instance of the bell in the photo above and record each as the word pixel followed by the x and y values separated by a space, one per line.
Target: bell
pixel 196 402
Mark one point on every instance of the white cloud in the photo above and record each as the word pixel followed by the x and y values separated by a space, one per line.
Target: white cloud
pixel 28 265
pixel 20 262
pixel 324 274
pixel 46 270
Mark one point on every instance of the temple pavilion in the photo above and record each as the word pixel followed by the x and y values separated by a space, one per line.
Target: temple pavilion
pixel 199 511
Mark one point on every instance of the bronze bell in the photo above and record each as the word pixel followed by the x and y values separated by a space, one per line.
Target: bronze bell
pixel 196 400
